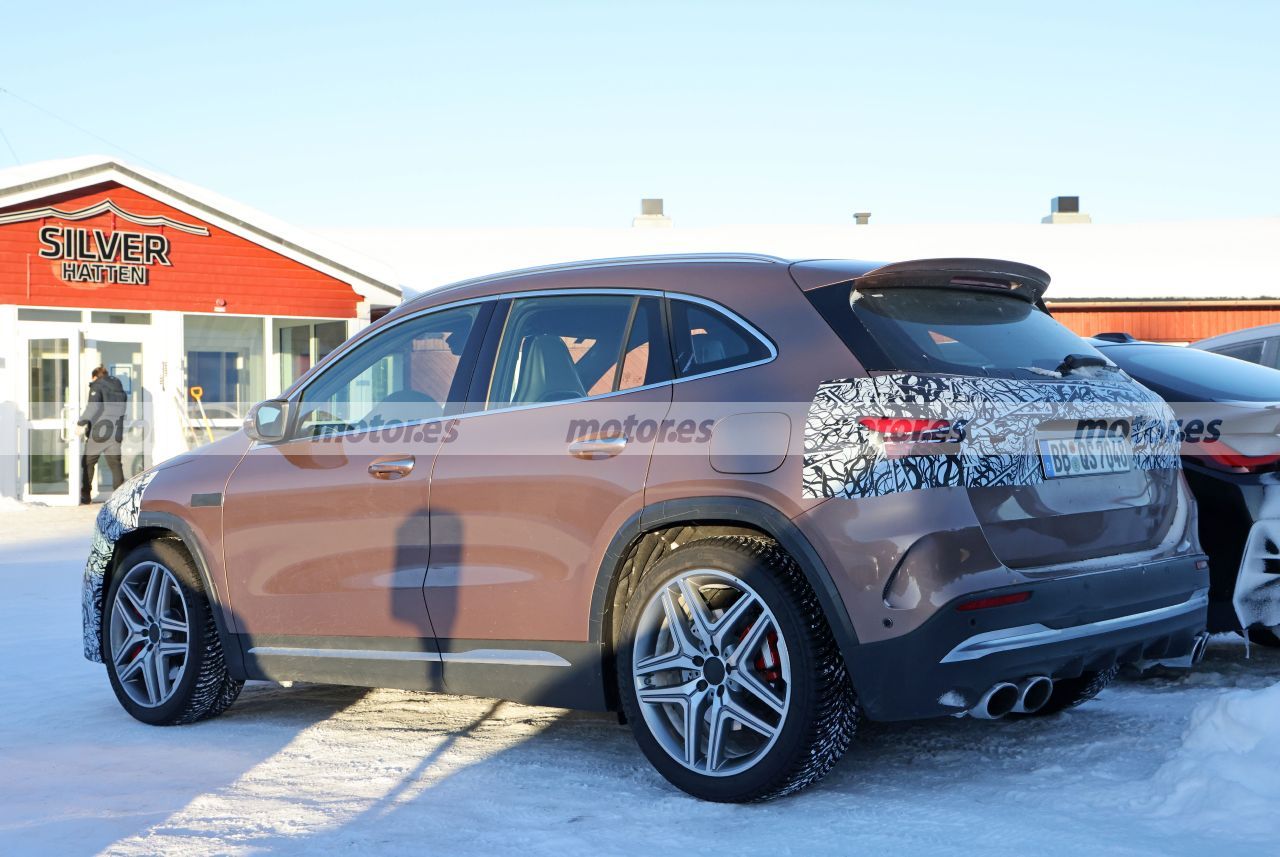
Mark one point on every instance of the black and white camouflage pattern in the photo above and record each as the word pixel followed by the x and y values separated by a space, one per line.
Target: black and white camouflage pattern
pixel 997 444
pixel 117 516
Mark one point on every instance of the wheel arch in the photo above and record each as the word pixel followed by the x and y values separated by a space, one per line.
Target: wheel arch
pixel 708 516
pixel 156 526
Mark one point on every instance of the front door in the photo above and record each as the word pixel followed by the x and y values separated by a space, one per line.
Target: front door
pixel 533 485
pixel 326 534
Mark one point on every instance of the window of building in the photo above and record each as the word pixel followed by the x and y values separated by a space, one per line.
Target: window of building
pixel 225 361
pixel 302 344
pixel 113 317
pixel 37 314
pixel 405 373
pixel 705 340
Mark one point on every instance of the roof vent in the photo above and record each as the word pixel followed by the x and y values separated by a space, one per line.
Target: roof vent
pixel 651 215
pixel 1066 209
pixel 862 218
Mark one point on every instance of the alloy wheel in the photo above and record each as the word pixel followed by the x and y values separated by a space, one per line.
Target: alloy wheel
pixel 149 634
pixel 711 671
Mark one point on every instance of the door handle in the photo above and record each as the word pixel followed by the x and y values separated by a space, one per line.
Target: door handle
pixel 391 468
pixel 597 448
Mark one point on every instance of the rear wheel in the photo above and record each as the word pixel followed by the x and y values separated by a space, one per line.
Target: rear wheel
pixel 729 675
pixel 1070 692
pixel 164 657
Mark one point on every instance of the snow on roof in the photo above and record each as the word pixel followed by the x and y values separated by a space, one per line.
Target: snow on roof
pixel 373 279
pixel 1178 260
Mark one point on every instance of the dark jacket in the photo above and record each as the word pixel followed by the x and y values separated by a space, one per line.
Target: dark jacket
pixel 104 412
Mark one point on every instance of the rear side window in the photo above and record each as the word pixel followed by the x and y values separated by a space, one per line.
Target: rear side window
pixel 1250 351
pixel 706 340
pixel 560 348
pixel 948 331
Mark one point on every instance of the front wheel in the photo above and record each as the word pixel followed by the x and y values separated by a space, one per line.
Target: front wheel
pixel 729 674
pixel 163 653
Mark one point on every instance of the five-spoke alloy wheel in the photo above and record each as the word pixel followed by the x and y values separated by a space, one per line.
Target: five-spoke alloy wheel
pixel 728 672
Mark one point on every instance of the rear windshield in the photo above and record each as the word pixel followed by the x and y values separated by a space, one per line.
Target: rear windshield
pixel 1190 375
pixel 954 331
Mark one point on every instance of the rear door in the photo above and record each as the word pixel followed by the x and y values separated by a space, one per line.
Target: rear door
pixel 532 484
pixel 976 386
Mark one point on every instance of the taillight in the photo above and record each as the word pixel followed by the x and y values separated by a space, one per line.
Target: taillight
pixel 1218 454
pixel 994 601
pixel 906 429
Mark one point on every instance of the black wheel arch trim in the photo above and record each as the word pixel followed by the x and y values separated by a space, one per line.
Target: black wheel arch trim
pixel 723 510
pixel 231 650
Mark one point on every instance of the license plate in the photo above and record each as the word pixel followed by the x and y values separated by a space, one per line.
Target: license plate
pixel 1073 457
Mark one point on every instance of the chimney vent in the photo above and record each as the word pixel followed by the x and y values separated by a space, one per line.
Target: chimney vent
pixel 861 218
pixel 1066 209
pixel 651 214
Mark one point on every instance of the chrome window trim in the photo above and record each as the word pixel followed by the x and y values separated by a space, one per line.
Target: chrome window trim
pixel 492 657
pixel 1027 636
pixel 295 396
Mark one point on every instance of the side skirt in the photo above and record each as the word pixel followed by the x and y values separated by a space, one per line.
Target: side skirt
pixel 557 674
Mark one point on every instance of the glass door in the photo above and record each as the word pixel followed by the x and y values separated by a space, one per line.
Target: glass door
pixel 52 449
pixel 123 361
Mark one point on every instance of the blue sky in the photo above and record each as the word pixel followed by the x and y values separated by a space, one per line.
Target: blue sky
pixel 542 114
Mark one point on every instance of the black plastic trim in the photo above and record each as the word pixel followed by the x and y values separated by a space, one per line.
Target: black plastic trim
pixel 738 510
pixel 230 647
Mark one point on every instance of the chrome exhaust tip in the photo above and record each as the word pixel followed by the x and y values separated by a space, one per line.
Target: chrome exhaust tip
pixel 1199 648
pixel 999 700
pixel 1033 694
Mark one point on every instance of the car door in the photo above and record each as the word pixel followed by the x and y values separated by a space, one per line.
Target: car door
pixel 531 487
pixel 326 534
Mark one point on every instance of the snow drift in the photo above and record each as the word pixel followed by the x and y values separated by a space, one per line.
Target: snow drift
pixel 1226 775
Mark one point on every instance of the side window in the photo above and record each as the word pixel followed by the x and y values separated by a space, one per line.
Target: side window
pixel 705 340
pixel 1250 351
pixel 402 374
pixel 564 347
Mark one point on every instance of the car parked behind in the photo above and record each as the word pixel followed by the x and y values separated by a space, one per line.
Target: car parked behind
pixel 1259 345
pixel 1230 415
pixel 743 501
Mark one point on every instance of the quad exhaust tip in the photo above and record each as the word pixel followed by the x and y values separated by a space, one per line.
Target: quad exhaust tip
pixel 1033 694
pixel 1000 699
pixel 1026 697
pixel 1198 648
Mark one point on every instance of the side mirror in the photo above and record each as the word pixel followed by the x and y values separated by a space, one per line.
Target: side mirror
pixel 268 422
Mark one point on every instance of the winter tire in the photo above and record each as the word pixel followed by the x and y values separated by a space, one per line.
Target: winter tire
pixel 161 646
pixel 729 675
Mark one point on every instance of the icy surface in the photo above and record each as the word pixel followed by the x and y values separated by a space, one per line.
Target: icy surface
pixel 1157 766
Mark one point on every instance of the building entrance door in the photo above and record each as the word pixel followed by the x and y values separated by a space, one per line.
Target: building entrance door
pixel 60 359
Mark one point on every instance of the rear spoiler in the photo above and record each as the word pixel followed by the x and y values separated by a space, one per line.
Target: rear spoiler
pixel 1025 281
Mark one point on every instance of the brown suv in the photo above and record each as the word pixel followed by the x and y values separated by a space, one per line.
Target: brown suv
pixel 739 500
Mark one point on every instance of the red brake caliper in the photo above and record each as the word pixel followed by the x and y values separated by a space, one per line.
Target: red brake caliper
pixel 769 660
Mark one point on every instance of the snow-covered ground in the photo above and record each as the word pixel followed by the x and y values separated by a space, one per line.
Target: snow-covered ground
pixel 1159 766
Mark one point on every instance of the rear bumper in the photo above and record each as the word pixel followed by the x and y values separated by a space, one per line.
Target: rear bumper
pixel 1069 626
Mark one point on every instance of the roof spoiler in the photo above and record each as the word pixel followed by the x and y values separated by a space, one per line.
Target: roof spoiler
pixel 1025 281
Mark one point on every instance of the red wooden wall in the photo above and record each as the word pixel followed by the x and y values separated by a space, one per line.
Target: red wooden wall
pixel 251 279
pixel 1178 321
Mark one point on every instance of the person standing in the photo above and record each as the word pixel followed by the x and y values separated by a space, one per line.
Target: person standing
pixel 103 419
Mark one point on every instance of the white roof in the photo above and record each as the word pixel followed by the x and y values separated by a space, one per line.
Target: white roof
pixel 1176 260
pixel 372 280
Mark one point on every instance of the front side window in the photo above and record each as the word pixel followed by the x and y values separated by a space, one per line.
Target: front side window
pixel 564 347
pixel 403 374
pixel 1248 351
pixel 706 340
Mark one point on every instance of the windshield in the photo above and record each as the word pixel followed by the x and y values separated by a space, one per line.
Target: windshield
pixel 957 331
